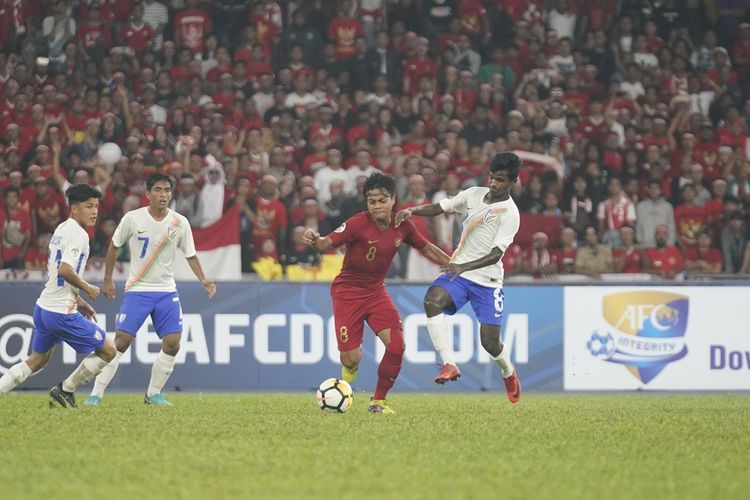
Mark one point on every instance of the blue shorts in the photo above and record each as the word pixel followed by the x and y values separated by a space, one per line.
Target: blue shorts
pixel 163 307
pixel 486 301
pixel 51 328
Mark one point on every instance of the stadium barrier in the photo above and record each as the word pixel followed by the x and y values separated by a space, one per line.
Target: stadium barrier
pixel 280 336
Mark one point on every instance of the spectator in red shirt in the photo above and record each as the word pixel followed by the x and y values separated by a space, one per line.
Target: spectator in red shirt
pixel 191 26
pixel 48 206
pixel 703 257
pixel 628 258
pixel 137 34
pixel 37 255
pixel 344 29
pixel 690 218
pixel 664 260
pixel 270 221
pixel 540 261
pixel 15 230
pixel 95 35
pixel 417 67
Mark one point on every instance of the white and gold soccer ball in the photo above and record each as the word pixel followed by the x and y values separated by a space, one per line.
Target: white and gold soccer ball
pixel 335 395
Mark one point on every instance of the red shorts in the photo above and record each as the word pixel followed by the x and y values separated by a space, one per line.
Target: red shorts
pixel 351 310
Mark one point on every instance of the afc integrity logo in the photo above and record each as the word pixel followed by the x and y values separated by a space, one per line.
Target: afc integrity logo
pixel 15 339
pixel 645 331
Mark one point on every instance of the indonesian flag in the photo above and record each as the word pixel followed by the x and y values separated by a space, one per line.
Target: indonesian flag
pixel 218 247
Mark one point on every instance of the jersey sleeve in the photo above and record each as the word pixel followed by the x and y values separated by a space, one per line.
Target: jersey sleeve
pixel 507 230
pixel 346 232
pixel 122 233
pixel 413 237
pixel 75 250
pixel 456 204
pixel 187 243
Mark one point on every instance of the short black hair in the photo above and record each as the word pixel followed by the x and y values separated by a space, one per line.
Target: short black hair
pixel 508 162
pixel 380 181
pixel 157 177
pixel 80 193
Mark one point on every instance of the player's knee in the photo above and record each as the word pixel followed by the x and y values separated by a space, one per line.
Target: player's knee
pixel 396 345
pixel 351 359
pixel 122 341
pixel 431 304
pixel 107 352
pixel 36 363
pixel 171 348
pixel 491 344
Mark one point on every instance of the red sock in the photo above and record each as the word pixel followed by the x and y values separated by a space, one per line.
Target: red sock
pixel 390 365
pixel 388 370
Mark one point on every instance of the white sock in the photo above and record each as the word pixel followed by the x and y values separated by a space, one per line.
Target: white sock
pixel 504 363
pixel 15 375
pixel 441 337
pixel 89 368
pixel 160 372
pixel 105 377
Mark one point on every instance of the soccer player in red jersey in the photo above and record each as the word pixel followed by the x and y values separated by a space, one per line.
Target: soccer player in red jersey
pixel 359 293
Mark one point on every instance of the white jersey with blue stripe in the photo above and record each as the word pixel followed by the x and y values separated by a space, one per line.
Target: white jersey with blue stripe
pixel 486 226
pixel 69 244
pixel 153 246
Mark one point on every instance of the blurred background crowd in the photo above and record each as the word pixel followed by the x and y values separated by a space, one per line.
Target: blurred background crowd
pixel 631 118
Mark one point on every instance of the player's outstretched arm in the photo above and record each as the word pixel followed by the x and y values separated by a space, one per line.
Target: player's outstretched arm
pixel 206 283
pixel 311 237
pixel 453 270
pixel 67 273
pixel 435 255
pixel 423 210
pixel 108 287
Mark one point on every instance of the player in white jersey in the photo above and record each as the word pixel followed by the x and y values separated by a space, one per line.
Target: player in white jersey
pixel 153 234
pixel 60 314
pixel 475 272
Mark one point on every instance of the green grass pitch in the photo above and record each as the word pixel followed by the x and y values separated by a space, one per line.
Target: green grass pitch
pixel 251 446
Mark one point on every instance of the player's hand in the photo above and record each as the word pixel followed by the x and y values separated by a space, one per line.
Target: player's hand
pixel 310 236
pixel 93 292
pixel 86 310
pixel 209 287
pixel 401 216
pixel 108 289
pixel 452 270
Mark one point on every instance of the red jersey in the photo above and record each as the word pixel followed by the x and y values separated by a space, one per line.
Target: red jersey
pixel 49 211
pixel 711 255
pixel 689 221
pixel 370 250
pixel 270 217
pixel 415 69
pixel 91 34
pixel 665 260
pixel 471 12
pixel 137 38
pixel 344 32
pixel 190 27
pixel 632 257
pixel 17 222
pixel 36 258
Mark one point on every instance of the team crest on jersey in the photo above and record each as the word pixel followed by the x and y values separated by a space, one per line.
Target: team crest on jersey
pixel 490 216
pixel 75 251
pixel 341 228
pixel 98 335
pixel 172 233
pixel 397 242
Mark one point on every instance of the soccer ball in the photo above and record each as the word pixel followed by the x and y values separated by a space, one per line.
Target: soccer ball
pixel 110 153
pixel 335 395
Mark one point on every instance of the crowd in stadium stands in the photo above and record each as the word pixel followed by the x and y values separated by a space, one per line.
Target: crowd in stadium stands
pixel 632 122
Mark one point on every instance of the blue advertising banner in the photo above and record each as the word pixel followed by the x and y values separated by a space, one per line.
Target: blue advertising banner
pixel 280 336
